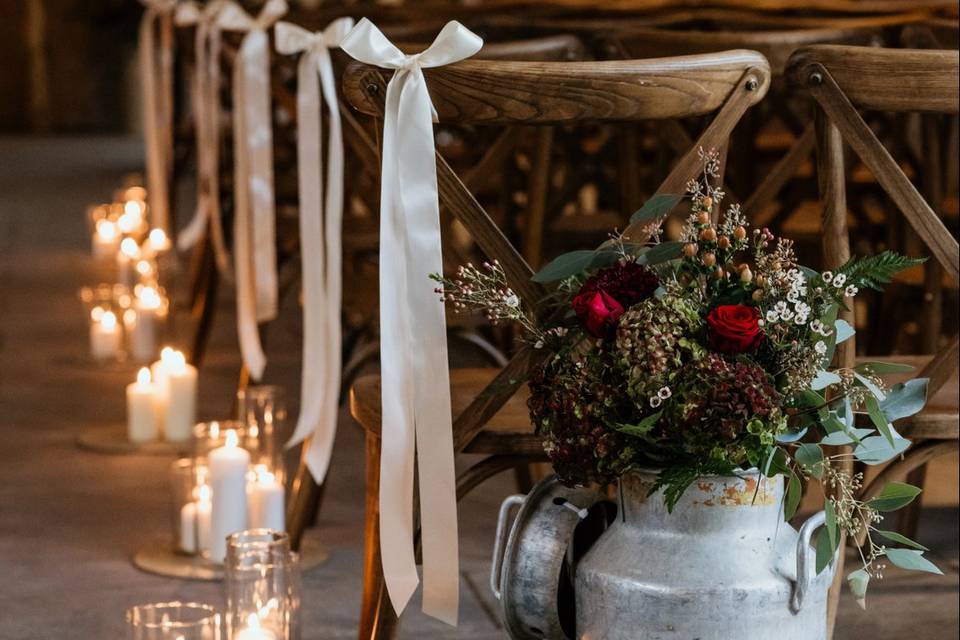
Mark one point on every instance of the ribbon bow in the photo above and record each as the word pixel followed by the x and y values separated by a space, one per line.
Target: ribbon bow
pixel 205 100
pixel 319 218
pixel 156 71
pixel 254 224
pixel 415 387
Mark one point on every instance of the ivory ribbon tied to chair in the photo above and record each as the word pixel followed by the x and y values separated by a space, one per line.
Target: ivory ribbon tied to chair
pixel 255 252
pixel 205 96
pixel 321 217
pixel 415 386
pixel 156 71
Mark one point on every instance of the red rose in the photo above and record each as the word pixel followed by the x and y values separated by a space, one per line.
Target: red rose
pixel 598 312
pixel 627 282
pixel 734 328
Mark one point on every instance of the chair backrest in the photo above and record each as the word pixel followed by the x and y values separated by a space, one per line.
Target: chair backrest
pixel 481 92
pixel 842 79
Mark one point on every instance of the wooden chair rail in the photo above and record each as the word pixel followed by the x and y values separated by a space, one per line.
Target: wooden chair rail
pixel 885 79
pixel 503 92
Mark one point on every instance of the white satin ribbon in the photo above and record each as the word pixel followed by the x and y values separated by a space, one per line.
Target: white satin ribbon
pixel 254 224
pixel 205 99
pixel 156 71
pixel 205 94
pixel 320 220
pixel 415 388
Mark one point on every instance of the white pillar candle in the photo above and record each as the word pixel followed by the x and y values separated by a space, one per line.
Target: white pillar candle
pixel 265 501
pixel 180 388
pixel 143 328
pixel 104 334
pixel 142 425
pixel 227 469
pixel 195 523
pixel 253 631
pixel 106 239
pixel 127 256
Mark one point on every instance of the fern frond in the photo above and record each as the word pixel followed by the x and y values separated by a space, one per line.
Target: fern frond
pixel 875 271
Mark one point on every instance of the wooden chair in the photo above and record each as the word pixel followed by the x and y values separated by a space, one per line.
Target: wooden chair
pixel 491 414
pixel 842 80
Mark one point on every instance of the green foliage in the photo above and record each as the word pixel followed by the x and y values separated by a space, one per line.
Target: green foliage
pixel 642 428
pixel 894 496
pixel 574 262
pixel 875 271
pixel 911 559
pixel 675 479
pixel 792 498
pixel 893 536
pixel 655 208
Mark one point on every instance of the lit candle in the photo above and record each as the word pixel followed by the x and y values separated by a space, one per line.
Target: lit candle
pixel 129 253
pixel 228 479
pixel 253 631
pixel 265 500
pixel 143 324
pixel 106 239
pixel 158 241
pixel 195 522
pixel 104 334
pixel 178 385
pixel 142 425
pixel 132 219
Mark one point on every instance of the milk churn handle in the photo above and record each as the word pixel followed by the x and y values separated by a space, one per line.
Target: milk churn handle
pixel 803 559
pixel 500 543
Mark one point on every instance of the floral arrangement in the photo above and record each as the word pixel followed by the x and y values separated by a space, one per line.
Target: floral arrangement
pixel 708 355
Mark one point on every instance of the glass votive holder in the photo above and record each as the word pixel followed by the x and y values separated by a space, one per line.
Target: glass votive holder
pixel 263 408
pixel 191 506
pixel 174 621
pixel 144 322
pixel 262 582
pixel 103 306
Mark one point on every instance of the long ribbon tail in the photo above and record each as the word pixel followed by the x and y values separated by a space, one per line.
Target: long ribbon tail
pixel 247 330
pixel 153 135
pixel 212 179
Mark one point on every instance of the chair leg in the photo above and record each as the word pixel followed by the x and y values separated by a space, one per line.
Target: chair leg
pixel 204 306
pixel 305 501
pixel 378 620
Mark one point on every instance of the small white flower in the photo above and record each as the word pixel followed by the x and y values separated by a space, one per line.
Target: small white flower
pixel 780 307
pixel 761 322
pixel 820 347
pixel 850 291
pixel 827 276
pixel 839 279
pixel 801 319
pixel 793 296
pixel 538 344
pixel 772 315
pixel 655 401
pixel 664 393
pixel 787 315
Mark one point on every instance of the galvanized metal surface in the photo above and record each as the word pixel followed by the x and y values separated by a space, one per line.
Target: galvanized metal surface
pixel 528 576
pixel 722 566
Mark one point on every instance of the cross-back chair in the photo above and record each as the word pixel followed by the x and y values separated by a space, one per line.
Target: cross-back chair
pixel 843 80
pixel 491 417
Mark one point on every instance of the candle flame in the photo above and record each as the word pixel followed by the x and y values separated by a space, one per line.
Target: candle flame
pixel 144 267
pixel 158 239
pixel 108 320
pixel 253 621
pixel 143 376
pixel 230 438
pixel 203 493
pixel 132 208
pixel 106 229
pixel 176 362
pixel 130 318
pixel 130 248
pixel 96 314
pixel 150 299
pixel 214 430
pixel 265 477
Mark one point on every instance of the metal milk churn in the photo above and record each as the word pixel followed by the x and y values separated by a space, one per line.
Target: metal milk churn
pixel 722 566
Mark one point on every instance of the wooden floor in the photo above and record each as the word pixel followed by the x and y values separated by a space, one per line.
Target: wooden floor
pixel 70 520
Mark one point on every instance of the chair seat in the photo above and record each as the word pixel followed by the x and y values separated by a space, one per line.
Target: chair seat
pixel 508 432
pixel 940 418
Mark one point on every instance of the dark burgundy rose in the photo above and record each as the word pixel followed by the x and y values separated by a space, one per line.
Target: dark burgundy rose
pixel 627 282
pixel 598 312
pixel 734 328
pixel 606 295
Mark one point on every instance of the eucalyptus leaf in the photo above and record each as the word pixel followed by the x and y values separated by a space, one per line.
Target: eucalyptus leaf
pixel 893 536
pixel 829 319
pixel 776 463
pixel 833 424
pixel 842 437
pixel 655 208
pixel 876 449
pixel 792 499
pixel 825 550
pixel 831 524
pixel 811 457
pixel 662 252
pixel 883 367
pixel 912 560
pixel 574 262
pixel 868 383
pixel 843 330
pixel 879 419
pixel 824 379
pixel 905 399
pixel 894 495
pixel 858 581
pixel 791 437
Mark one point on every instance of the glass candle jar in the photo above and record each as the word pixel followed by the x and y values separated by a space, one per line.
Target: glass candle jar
pixel 262 584
pixel 190 506
pixel 263 409
pixel 174 621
